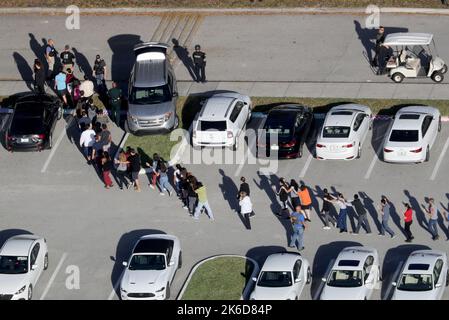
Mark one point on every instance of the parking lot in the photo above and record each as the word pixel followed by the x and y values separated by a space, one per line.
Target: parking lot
pixel 92 230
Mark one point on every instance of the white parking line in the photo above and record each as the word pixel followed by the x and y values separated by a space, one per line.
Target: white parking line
pixel 116 287
pixel 55 147
pixel 320 288
pixel 394 278
pixel 371 167
pixel 53 276
pixel 440 160
pixel 306 166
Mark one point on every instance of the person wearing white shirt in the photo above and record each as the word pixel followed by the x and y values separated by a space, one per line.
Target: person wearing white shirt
pixel 342 215
pixel 87 140
pixel 87 87
pixel 246 209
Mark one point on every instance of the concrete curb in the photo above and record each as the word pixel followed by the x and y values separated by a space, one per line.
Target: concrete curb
pixel 295 10
pixel 248 287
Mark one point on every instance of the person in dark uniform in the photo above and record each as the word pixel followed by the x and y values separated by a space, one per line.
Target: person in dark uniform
pixel 39 77
pixel 115 102
pixel 380 38
pixel 382 58
pixel 199 60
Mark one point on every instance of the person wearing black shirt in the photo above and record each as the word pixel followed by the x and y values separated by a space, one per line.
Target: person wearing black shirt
pixel 39 77
pixel 362 215
pixel 244 186
pixel 134 163
pixel 67 58
pixel 380 38
pixel 99 70
pixel 199 60
pixel 327 198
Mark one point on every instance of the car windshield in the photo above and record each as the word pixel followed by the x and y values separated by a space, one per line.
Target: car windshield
pixel 27 121
pixel 345 278
pixel 415 282
pixel 150 95
pixel 336 132
pixel 212 125
pixel 282 126
pixel 13 265
pixel 147 262
pixel 275 279
pixel 404 136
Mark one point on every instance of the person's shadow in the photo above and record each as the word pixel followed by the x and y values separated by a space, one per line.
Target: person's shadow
pixel 370 207
pixel 229 190
pixel 420 215
pixel 83 64
pixel 365 36
pixel 37 48
pixel 183 55
pixel 24 69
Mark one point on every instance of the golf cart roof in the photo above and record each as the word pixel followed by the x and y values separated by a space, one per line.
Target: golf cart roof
pixel 408 39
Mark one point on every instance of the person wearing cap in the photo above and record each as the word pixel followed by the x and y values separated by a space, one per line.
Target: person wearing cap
pixel 115 102
pixel 67 58
pixel 99 70
pixel 199 60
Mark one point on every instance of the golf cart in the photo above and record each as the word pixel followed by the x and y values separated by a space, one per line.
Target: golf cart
pixel 413 57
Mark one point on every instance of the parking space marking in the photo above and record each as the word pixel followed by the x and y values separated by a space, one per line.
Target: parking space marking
pixel 116 286
pixel 440 160
pixel 55 147
pixel 320 287
pixel 306 166
pixel 373 162
pixel 394 278
pixel 53 276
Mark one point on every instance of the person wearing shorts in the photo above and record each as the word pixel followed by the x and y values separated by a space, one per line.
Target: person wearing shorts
pixel 306 201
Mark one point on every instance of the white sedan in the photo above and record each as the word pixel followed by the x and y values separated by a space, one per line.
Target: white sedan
pixel 344 130
pixel 23 258
pixel 423 276
pixel 354 275
pixel 151 268
pixel 283 277
pixel 412 134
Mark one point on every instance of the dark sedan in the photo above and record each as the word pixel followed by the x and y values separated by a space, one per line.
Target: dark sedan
pixel 286 129
pixel 33 119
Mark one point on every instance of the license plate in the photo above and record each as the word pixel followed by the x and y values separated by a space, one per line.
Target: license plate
pixel 24 140
pixel 274 147
pixel 402 153
pixel 333 148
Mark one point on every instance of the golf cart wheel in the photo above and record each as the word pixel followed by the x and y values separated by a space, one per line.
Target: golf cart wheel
pixel 444 69
pixel 437 76
pixel 397 77
pixel 427 154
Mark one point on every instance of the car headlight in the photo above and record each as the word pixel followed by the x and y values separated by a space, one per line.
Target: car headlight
pixel 21 290
pixel 161 289
pixel 133 119
pixel 167 116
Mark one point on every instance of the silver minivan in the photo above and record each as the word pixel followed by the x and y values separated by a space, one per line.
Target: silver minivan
pixel 152 91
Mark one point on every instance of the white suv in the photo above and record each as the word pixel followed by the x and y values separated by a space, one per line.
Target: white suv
pixel 221 120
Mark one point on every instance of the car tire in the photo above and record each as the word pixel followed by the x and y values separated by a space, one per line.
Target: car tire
pixel 167 292
pixel 50 141
pixel 437 77
pixel 397 77
pixel 30 292
pixel 180 260
pixel 439 124
pixel 444 69
pixel 308 276
pixel 427 154
pixel 176 124
pixel 300 151
pixel 359 151
pixel 46 261
pixel 447 278
pixel 60 112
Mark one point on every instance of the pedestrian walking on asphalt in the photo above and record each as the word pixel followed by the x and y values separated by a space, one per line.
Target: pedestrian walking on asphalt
pixel 432 214
pixel 327 203
pixel 380 38
pixel 306 201
pixel 61 86
pixel 163 180
pixel 199 60
pixel 155 167
pixel 244 186
pixel 385 208
pixel 177 179
pixel 184 185
pixel 99 71
pixel 192 196
pixel 87 88
pixel 115 102
pixel 246 208
pixel 87 140
pixel 50 54
pixel 105 137
pixel 282 193
pixel 134 163
pixel 106 166
pixel 122 169
pixel 39 77
pixel 67 58
pixel 343 214
pixel 294 193
pixel 84 121
pixel 200 190
pixel 298 222
pixel 362 215
pixel 408 220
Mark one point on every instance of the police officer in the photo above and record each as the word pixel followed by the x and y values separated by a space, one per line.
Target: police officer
pixel 199 59
pixel 50 54
pixel 115 101
pixel 380 38
pixel 99 70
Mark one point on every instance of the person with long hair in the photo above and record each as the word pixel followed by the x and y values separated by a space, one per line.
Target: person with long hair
pixel 408 220
pixel 106 167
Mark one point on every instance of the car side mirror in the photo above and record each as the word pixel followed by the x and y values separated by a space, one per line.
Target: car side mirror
pixel 394 284
pixel 202 102
pixel 254 279
pixel 171 263
pixel 125 264
pixel 33 267
pixel 175 94
pixel 369 281
pixel 297 280
pixel 323 279
pixel 438 285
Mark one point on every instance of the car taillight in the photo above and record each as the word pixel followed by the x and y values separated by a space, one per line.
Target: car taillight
pixel 416 150
pixel 290 144
pixel 348 145
pixel 41 136
pixel 320 145
pixel 230 134
pixel 387 150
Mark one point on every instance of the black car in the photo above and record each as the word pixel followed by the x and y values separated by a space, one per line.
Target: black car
pixel 32 121
pixel 291 123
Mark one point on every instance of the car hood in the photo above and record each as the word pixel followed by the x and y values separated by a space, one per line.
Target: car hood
pixel 413 295
pixel 334 293
pixel 151 110
pixel 143 280
pixel 10 283
pixel 264 293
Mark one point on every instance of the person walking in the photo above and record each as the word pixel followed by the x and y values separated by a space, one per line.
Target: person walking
pixel 294 193
pixel 200 190
pixel 199 60
pixel 298 222
pixel 246 208
pixel 433 218
pixel 380 38
pixel 343 214
pixel 122 170
pixel 282 193
pixel 192 196
pixel 177 179
pixel 50 54
pixel 99 71
pixel 134 163
pixel 115 102
pixel 163 180
pixel 155 166
pixel 61 86
pixel 361 212
pixel 325 210
pixel 244 186
pixel 67 58
pixel 385 208
pixel 105 137
pixel 87 88
pixel 306 201
pixel 39 77
pixel 87 140
pixel 106 166
pixel 408 220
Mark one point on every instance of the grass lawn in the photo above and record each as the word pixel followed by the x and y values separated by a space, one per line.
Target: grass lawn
pixel 222 3
pixel 223 278
pixel 188 107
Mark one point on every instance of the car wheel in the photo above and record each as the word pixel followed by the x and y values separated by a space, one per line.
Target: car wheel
pixel 30 292
pixel 46 261
pixel 167 292
pixel 300 151
pixel 427 154
pixel 59 113
pixel 439 124
pixel 437 76
pixel 444 69
pixel 447 278
pixel 309 276
pixel 176 125
pixel 180 260
pixel 359 152
pixel 235 145
pixel 397 77
pixel 50 141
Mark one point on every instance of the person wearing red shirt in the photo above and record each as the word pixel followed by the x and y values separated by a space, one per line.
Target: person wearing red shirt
pixel 408 219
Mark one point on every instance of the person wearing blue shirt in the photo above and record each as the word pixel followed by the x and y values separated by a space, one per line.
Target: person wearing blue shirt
pixel 298 223
pixel 61 86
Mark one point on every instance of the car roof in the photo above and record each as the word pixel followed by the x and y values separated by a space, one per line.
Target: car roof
pixel 19 245
pixel 423 257
pixel 353 253
pixel 413 118
pixel 217 108
pixel 154 244
pixel 407 38
pixel 281 261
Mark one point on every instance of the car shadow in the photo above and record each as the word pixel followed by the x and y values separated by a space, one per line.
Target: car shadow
pixel 9 233
pixel 393 261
